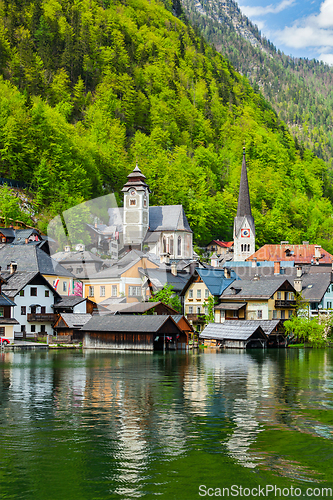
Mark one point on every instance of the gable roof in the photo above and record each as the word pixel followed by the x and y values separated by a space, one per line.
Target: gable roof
pixel 215 280
pixel 31 258
pixel 5 301
pixel 129 323
pixel 160 277
pixel 261 289
pixel 18 280
pixel 223 244
pixel 70 301
pixel 233 330
pixel 168 218
pixel 315 285
pixel 301 254
pixel 75 320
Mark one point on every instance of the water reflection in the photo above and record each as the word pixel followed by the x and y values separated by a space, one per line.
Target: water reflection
pixel 119 420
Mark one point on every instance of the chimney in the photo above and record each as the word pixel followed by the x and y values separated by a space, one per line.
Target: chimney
pixel 299 271
pixel 254 262
pixel 305 243
pixel 277 268
pixel 298 285
pixel 12 267
pixel 67 248
pixel 214 261
pixel 26 241
pixel 317 252
pixel 174 269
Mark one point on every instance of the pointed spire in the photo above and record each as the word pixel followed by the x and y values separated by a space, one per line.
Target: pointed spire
pixel 244 205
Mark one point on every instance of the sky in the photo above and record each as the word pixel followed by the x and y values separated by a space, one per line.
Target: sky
pixel 298 28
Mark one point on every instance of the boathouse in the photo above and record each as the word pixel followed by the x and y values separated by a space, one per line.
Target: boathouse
pixel 234 334
pixel 131 332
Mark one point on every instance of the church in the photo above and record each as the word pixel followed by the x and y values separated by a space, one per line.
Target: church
pixel 163 231
pixel 244 229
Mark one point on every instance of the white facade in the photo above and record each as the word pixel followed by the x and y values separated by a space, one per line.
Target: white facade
pixel 43 302
pixel 136 215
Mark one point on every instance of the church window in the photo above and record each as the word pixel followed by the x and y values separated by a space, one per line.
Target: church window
pixel 242 248
pixel 171 245
pixel 179 246
pixel 248 248
pixel 132 203
pixel 164 244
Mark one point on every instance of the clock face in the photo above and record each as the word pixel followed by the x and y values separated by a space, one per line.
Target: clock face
pixel 132 192
pixel 245 233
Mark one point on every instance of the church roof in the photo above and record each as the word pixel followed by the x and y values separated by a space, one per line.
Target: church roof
pixel 168 218
pixel 244 204
pixel 136 179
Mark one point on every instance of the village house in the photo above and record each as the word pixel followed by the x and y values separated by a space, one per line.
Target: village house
pixel 203 284
pixel 7 321
pixel 299 254
pixel 122 279
pixel 266 298
pixel 80 262
pixel 31 258
pixel 34 298
pixel 220 248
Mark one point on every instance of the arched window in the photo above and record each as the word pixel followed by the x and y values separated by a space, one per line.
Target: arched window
pixel 248 248
pixel 242 248
pixel 164 245
pixel 171 245
pixel 179 246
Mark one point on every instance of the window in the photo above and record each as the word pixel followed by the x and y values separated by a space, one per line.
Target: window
pixel 132 203
pixel 290 314
pixel 43 310
pixel 47 293
pixel 171 245
pixel 190 310
pixel 33 292
pixel 22 293
pixel 206 293
pixel 91 291
pixel 114 291
pixel 102 291
pixel 190 294
pixel 179 245
pixel 33 328
pixel 33 309
pixel 290 296
pixel 134 291
pixel 22 328
pixel 206 310
pixel 64 286
pixel 23 310
pixel 2 331
pixel 329 305
pixel 235 315
pixel 198 310
pixel 283 314
pixel 1 312
pixel 145 202
pixel 279 295
pixel 199 294
pixel 259 314
pixel 42 329
pixel 164 245
pixel 274 314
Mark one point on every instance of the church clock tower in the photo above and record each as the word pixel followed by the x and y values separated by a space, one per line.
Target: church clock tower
pixel 136 209
pixel 244 229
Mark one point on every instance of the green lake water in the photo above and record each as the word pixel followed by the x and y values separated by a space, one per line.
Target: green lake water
pixel 101 425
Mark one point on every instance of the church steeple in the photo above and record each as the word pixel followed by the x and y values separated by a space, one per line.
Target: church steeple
pixel 244 204
pixel 244 229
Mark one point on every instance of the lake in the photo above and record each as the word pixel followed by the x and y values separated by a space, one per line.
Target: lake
pixel 85 425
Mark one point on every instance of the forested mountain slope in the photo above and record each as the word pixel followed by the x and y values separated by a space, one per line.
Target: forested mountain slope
pixel 88 88
pixel 300 90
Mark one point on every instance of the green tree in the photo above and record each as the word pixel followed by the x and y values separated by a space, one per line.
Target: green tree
pixel 168 297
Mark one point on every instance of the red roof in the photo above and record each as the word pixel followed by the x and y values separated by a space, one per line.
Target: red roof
pixel 302 254
pixel 223 244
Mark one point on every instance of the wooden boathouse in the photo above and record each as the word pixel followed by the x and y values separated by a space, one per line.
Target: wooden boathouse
pixel 131 332
pixel 235 334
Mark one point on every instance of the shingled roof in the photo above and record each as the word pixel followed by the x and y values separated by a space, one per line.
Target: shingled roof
pixel 233 330
pixel 168 218
pixel 300 254
pixel 259 289
pixel 129 323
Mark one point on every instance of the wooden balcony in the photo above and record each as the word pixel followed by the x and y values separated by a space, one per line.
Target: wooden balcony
pixel 285 303
pixel 198 318
pixel 41 318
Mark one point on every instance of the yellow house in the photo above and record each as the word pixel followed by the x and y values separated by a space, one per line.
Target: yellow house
pixel 265 298
pixel 203 285
pixel 122 279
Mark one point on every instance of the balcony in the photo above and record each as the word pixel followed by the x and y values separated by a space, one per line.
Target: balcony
pixel 285 303
pixel 41 317
pixel 198 318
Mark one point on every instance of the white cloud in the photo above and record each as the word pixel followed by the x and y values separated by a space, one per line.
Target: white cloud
pixel 315 30
pixel 327 58
pixel 269 9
